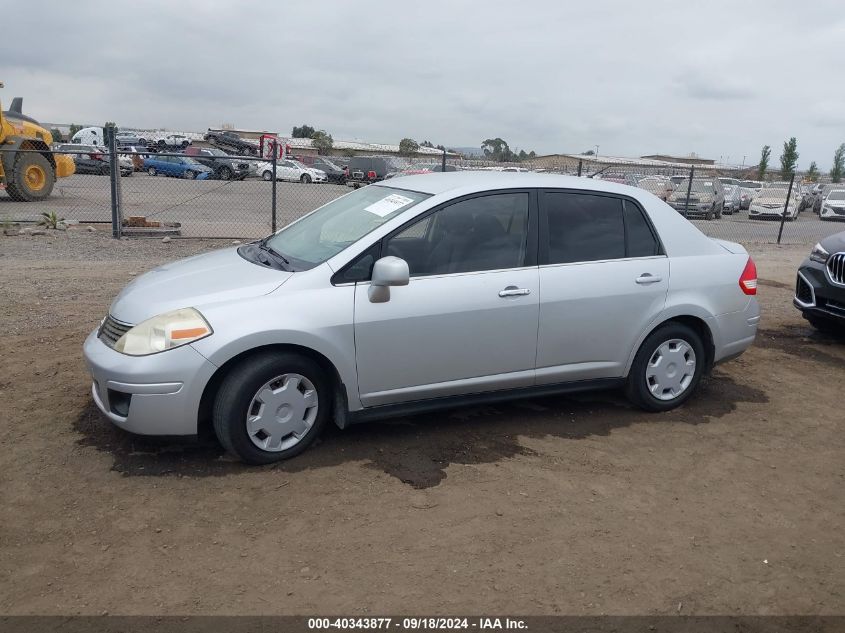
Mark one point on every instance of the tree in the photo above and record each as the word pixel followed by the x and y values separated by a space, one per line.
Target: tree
pixel 109 124
pixel 74 128
pixel 497 149
pixel 441 148
pixel 765 153
pixel 322 141
pixel 838 164
pixel 789 158
pixel 813 172
pixel 303 131
pixel 589 152
pixel 56 133
pixel 426 144
pixel 408 147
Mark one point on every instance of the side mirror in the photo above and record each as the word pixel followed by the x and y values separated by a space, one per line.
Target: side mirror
pixel 388 271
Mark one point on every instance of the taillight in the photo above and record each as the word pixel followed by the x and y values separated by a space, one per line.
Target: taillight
pixel 748 278
pixel 371 175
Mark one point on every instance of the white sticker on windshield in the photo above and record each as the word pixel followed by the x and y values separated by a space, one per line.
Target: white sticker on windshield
pixel 388 205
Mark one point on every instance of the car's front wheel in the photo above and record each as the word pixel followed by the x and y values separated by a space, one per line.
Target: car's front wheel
pixel 271 407
pixel 305 179
pixel 267 176
pixel 226 173
pixel 667 368
pixel 152 171
pixel 190 175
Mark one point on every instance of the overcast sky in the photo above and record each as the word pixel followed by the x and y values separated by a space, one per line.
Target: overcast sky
pixel 632 77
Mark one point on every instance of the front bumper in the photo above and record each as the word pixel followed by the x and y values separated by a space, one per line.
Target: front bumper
pixel 816 294
pixel 764 212
pixel 832 213
pixel 157 394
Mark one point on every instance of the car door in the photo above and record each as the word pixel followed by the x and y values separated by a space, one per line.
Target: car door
pixel 287 170
pixel 467 321
pixel 603 279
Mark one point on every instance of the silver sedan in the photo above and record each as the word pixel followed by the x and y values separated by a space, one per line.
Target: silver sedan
pixel 424 292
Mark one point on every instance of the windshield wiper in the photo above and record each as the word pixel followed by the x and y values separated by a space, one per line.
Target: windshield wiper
pixel 269 249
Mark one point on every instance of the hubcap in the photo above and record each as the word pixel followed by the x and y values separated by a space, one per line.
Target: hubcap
pixel 670 369
pixel 282 412
pixel 35 177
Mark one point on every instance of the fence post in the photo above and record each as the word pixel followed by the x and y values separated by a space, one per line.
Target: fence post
pixel 580 165
pixel 114 180
pixel 689 190
pixel 444 160
pixel 274 162
pixel 785 207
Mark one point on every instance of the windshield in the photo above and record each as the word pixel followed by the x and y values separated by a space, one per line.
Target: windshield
pixel 216 152
pixel 329 164
pixel 750 184
pixel 342 222
pixel 772 193
pixel 698 186
pixel 729 181
pixel 836 195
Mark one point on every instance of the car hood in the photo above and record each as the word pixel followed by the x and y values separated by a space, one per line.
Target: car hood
pixel 203 279
pixel 834 243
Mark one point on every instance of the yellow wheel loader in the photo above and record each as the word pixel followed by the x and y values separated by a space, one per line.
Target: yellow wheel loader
pixel 28 169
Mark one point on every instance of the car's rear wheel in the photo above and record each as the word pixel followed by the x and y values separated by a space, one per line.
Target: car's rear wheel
pixel 271 407
pixel 667 368
pixel 267 175
pixel 305 179
pixel 152 171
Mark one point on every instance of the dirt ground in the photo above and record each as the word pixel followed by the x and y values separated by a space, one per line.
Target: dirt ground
pixel 733 504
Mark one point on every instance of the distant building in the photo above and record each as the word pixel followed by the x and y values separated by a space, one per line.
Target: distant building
pixel 692 159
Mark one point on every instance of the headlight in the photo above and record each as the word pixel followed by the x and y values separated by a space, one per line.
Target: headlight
pixel 163 332
pixel 819 254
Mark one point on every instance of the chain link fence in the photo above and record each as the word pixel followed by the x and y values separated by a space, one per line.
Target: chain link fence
pixel 204 192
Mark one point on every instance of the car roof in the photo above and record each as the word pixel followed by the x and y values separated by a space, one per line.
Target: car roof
pixel 475 181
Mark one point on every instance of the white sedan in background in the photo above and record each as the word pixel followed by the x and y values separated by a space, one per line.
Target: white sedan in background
pixel 291 170
pixel 770 202
pixel 833 206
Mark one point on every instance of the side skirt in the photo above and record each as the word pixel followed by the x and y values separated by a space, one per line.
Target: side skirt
pixel 451 402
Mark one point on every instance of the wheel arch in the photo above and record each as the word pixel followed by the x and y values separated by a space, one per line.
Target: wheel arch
pixel 25 144
pixel 339 405
pixel 697 322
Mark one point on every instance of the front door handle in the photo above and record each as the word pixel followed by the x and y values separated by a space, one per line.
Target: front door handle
pixel 513 291
pixel 648 278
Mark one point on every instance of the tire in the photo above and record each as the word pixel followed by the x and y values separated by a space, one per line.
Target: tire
pixel 191 175
pixel 719 214
pixel 185 144
pixel 152 171
pixel 267 176
pixel 240 393
pixel 708 215
pixel 305 179
pixel 32 178
pixel 225 173
pixel 641 386
pixel 160 143
pixel 142 141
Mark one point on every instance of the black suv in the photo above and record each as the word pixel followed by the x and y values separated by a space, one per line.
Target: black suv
pixel 225 167
pixel 366 169
pixel 820 287
pixel 231 141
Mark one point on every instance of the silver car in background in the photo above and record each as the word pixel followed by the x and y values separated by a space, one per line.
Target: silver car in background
pixel 419 293
pixel 771 202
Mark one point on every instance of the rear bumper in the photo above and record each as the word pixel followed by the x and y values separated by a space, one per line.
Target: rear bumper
pixel 734 332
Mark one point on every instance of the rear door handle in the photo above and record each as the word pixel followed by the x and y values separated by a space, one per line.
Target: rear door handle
pixel 513 291
pixel 648 278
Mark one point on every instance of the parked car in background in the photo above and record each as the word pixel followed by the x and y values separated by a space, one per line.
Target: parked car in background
pixel 833 205
pixel 364 170
pixel 129 138
pixel 291 170
pixel 732 199
pixel 127 167
pixel 92 160
pixel 748 189
pixel 706 198
pixel 176 166
pixel 173 140
pixel 658 185
pixel 136 154
pixel 420 293
pixel 820 286
pixel 223 166
pixel 334 172
pixel 232 142
pixel 770 203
